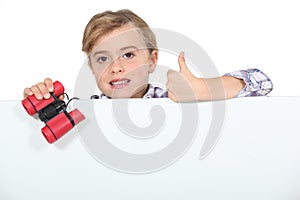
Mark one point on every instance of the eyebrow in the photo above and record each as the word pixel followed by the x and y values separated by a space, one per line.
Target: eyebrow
pixel 128 47
pixel 122 49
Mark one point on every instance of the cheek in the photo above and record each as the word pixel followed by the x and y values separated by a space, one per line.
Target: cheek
pixel 100 77
pixel 137 67
pixel 140 74
pixel 99 72
pixel 139 61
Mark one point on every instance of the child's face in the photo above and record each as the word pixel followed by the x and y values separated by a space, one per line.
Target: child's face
pixel 121 63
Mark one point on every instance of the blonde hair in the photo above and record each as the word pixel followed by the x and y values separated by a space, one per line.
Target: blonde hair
pixel 105 22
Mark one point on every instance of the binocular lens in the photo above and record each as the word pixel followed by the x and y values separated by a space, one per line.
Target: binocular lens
pixel 60 125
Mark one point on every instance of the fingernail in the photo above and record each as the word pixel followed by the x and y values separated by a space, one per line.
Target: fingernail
pixel 38 96
pixel 50 89
pixel 47 96
pixel 182 53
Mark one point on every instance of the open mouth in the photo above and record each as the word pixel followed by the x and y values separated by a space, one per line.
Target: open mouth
pixel 119 83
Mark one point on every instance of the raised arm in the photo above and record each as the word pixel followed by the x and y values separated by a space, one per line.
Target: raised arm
pixel 183 86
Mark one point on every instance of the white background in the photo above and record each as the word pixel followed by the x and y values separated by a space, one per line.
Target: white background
pixel 41 39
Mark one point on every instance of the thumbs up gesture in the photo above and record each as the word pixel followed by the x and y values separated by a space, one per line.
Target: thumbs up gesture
pixel 183 86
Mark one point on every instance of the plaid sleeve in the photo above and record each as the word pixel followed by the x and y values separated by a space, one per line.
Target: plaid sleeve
pixel 156 92
pixel 257 83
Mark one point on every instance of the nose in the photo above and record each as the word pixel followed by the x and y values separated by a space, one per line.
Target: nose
pixel 116 67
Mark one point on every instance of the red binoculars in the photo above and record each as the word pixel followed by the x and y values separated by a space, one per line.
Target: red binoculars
pixel 53 112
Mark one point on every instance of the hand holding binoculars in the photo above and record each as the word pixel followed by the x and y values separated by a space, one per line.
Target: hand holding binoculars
pixel 53 113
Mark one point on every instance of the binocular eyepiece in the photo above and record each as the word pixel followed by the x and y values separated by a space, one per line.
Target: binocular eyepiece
pixel 53 113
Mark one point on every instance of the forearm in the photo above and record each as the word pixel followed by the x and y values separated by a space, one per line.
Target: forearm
pixel 242 83
pixel 223 87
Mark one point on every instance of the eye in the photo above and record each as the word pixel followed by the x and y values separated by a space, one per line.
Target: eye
pixel 128 55
pixel 103 59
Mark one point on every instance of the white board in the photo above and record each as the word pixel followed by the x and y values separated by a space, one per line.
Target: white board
pixel 255 153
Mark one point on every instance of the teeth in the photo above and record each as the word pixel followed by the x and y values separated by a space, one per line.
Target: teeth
pixel 119 82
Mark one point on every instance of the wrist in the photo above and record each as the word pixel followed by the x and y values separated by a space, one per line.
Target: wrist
pixel 232 86
pixel 200 89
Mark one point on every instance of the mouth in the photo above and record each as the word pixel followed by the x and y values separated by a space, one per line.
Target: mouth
pixel 119 83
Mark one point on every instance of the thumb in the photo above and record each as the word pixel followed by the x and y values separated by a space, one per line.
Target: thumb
pixel 182 65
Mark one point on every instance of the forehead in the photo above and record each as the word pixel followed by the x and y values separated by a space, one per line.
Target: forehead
pixel 118 39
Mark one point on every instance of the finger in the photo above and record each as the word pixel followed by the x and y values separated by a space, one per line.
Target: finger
pixel 172 75
pixel 27 92
pixel 182 65
pixel 49 84
pixel 171 84
pixel 172 96
pixel 37 93
pixel 61 97
pixel 44 90
pixel 181 62
pixel 175 80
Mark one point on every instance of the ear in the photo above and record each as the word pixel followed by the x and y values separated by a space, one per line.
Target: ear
pixel 153 61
